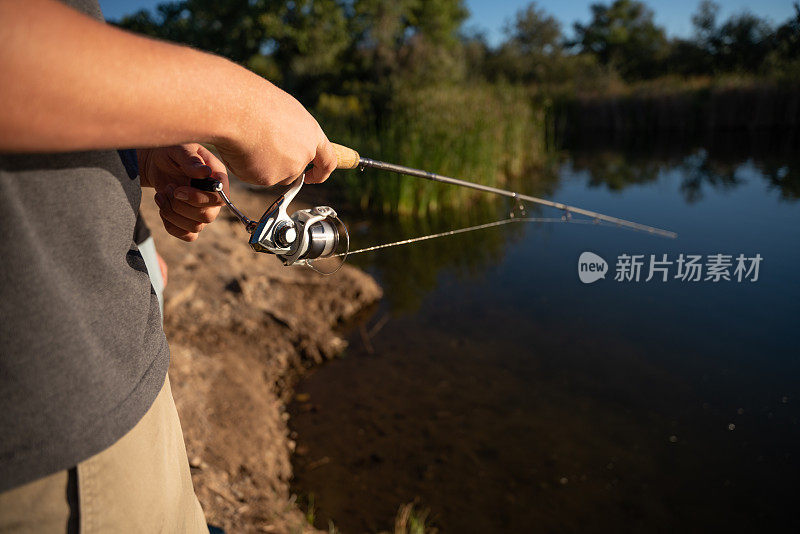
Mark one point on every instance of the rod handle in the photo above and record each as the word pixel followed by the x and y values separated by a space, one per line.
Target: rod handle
pixel 346 158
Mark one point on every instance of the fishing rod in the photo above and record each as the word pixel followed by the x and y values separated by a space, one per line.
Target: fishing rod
pixel 309 235
pixel 350 159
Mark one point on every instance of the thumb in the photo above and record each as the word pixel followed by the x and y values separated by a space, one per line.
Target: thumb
pixel 217 168
pixel 324 163
pixel 190 161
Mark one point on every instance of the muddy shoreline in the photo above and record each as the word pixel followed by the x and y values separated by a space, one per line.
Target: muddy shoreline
pixel 242 330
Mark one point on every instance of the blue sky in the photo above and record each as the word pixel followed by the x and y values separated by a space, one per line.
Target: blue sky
pixel 490 16
pixel 674 15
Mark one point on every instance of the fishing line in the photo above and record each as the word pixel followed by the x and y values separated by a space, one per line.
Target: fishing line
pixel 311 235
pixel 493 224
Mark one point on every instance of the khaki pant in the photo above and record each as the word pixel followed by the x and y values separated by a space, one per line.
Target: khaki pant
pixel 139 484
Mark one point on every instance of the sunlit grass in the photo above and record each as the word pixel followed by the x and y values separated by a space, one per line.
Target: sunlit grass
pixel 485 134
pixel 410 520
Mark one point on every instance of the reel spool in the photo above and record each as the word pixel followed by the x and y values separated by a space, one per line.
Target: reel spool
pixel 313 237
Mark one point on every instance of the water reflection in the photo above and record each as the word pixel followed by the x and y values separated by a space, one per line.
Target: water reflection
pixel 698 170
pixel 716 165
pixel 613 170
pixel 784 178
pixel 507 396
pixel 409 272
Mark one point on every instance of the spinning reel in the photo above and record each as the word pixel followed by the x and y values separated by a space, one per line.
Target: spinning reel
pixel 303 238
pixel 313 235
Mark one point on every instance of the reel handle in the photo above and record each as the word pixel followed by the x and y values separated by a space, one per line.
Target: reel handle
pixel 206 184
pixel 346 158
pixel 214 186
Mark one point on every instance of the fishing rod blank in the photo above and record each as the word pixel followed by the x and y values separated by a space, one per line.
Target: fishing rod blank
pixel 350 159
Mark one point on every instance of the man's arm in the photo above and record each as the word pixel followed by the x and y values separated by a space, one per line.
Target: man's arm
pixel 72 83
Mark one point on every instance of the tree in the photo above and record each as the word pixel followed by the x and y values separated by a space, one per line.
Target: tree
pixel 696 55
pixel 787 37
pixel 405 43
pixel 624 36
pixel 408 36
pixel 705 24
pixel 316 46
pixel 476 53
pixel 308 40
pixel 230 29
pixel 296 44
pixel 743 42
pixel 532 48
pixel 535 32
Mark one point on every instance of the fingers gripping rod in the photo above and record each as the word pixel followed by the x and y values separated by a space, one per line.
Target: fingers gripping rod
pixel 350 159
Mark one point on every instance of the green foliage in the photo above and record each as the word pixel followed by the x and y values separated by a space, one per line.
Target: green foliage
pixel 622 39
pixel 309 40
pixel 401 82
pixel 743 44
pixel 375 49
pixel 783 62
pixel 624 36
pixel 311 47
pixel 533 49
pixel 535 32
pixel 412 521
pixel 230 28
pixel 787 37
pixel 311 510
pixel 486 133
pixel 404 43
pixel 705 23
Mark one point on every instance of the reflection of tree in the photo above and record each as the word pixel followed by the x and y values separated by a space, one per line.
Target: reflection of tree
pixel 615 170
pixel 786 179
pixel 409 272
pixel 717 165
pixel 697 169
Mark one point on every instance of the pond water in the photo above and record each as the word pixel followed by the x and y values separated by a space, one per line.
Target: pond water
pixel 496 390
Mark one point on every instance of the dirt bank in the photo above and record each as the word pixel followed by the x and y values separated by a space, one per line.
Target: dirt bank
pixel 242 328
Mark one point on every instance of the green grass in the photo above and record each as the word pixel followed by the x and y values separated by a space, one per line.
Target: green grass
pixel 481 133
pixel 311 511
pixel 409 520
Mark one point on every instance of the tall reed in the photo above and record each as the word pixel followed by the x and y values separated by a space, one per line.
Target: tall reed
pixel 483 133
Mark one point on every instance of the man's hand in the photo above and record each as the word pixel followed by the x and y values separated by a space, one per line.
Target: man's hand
pixel 275 138
pixel 184 210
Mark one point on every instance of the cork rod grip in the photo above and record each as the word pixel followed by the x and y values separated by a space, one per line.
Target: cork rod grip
pixel 346 158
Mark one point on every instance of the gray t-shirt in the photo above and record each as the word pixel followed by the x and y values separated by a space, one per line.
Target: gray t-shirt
pixel 82 352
